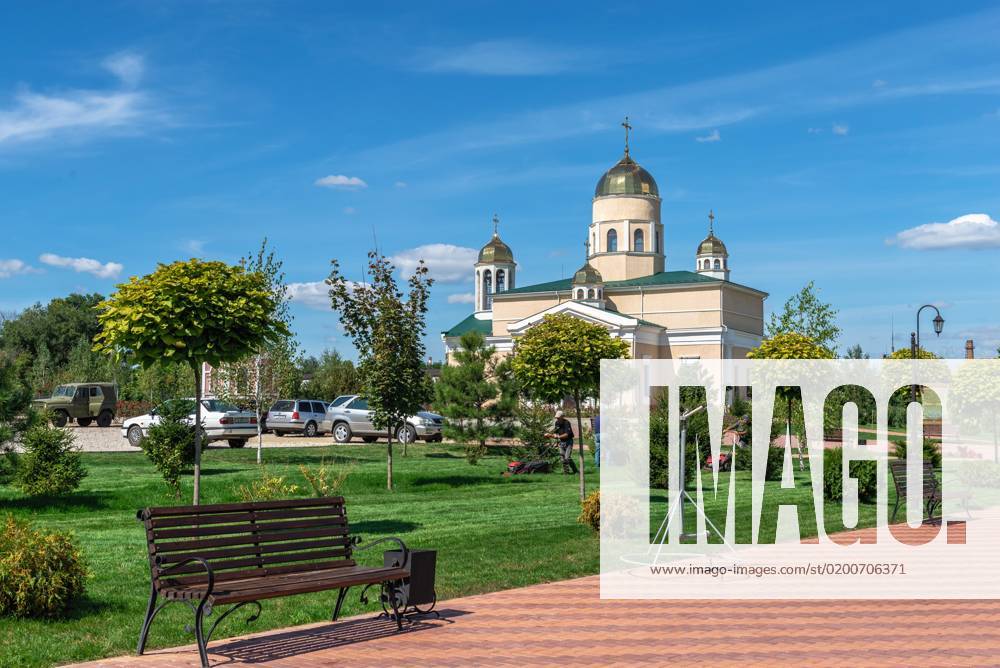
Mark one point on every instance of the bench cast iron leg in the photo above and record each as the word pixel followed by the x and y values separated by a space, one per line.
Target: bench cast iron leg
pixel 199 633
pixel 150 613
pixel 340 601
pixel 395 606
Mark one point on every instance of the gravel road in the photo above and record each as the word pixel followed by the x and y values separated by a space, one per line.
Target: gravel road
pixel 109 439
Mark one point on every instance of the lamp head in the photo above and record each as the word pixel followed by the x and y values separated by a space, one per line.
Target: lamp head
pixel 938 324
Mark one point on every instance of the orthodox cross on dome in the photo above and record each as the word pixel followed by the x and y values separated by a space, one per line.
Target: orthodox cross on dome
pixel 496 225
pixel 711 222
pixel 627 127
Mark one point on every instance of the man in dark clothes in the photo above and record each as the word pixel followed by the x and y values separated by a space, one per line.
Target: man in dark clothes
pixel 563 431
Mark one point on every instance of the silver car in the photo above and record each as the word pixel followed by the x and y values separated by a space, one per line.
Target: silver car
pixel 304 416
pixel 351 417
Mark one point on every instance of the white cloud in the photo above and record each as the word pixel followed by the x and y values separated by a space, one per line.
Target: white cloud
pixel 400 184
pixel 82 265
pixel 37 116
pixel 447 263
pixel 712 136
pixel 341 181
pixel 814 131
pixel 195 246
pixel 879 83
pixel 462 298
pixel 974 231
pixel 127 66
pixel 840 129
pixel 314 295
pixel 15 267
pixel 502 57
pixel 350 210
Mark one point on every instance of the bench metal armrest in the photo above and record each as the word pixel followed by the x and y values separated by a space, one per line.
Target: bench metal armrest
pixel 165 572
pixel 356 545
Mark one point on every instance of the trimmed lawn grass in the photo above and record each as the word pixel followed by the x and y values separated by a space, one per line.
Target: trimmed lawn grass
pixel 491 533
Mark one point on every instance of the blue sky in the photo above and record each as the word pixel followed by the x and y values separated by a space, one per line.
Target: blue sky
pixel 852 145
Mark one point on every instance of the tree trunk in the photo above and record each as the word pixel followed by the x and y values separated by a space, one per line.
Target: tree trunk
pixel 197 434
pixel 788 431
pixel 388 462
pixel 579 429
pixel 258 401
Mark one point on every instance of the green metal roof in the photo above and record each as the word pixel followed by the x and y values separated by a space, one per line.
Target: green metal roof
pixel 661 278
pixel 472 323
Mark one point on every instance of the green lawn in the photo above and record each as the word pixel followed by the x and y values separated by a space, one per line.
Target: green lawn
pixel 491 532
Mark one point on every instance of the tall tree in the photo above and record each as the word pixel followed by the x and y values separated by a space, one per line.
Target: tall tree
pixel 561 356
pixel 329 376
pixel 259 379
pixel 467 391
pixel 856 353
pixel 804 313
pixel 790 346
pixel 196 312
pixel 387 331
pixel 57 327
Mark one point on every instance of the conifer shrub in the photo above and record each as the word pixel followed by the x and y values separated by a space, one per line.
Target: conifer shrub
pixel 41 573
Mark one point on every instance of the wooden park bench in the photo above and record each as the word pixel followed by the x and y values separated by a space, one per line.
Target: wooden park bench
pixel 931 491
pixel 240 553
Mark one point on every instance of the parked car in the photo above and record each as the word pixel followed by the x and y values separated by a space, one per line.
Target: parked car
pixel 304 416
pixel 220 422
pixel 83 402
pixel 351 417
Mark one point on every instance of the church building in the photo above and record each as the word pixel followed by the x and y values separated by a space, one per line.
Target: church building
pixel 624 283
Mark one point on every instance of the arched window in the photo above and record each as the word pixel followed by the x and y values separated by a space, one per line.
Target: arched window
pixel 638 242
pixel 590 293
pixel 579 294
pixel 612 241
pixel 718 265
pixel 487 290
pixel 501 280
pixel 656 241
pixel 600 293
pixel 593 243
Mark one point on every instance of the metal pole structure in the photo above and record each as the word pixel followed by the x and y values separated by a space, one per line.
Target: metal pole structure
pixel 680 459
pixel 915 339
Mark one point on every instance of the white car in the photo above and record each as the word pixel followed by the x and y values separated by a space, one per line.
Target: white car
pixel 220 422
pixel 349 416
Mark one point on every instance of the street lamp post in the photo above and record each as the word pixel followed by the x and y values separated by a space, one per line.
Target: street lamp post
pixel 915 339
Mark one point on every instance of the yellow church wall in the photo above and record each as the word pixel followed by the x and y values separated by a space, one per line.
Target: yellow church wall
pixel 674 309
pixel 626 208
pixel 703 351
pixel 511 310
pixel 738 353
pixel 743 311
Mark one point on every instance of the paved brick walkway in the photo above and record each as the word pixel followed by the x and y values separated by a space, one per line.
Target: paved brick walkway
pixel 567 623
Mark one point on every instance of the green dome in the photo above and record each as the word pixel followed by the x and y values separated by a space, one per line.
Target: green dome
pixel 496 251
pixel 587 275
pixel 626 178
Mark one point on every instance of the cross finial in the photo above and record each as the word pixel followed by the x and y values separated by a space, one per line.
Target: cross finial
pixel 496 224
pixel 627 127
pixel 711 221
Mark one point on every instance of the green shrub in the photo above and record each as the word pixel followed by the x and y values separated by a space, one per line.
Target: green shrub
pixel 743 461
pixel 474 452
pixel 266 488
pixel 932 451
pixel 590 511
pixel 865 471
pixel 534 422
pixel 325 481
pixel 41 573
pixel 50 464
pixel 169 444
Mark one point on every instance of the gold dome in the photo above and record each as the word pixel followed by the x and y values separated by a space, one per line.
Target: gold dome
pixel 626 178
pixel 712 245
pixel 496 250
pixel 587 275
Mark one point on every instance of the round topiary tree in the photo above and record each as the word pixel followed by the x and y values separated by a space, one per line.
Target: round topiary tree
pixel 193 312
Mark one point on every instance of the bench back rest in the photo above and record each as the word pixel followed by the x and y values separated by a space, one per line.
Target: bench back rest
pixel 245 540
pixel 898 468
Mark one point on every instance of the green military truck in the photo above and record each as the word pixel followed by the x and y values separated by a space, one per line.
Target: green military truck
pixel 83 402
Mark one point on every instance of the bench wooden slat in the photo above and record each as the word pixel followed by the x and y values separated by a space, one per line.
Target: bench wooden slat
pixel 252 528
pixel 266 548
pixel 259 573
pixel 168 511
pixel 256 515
pixel 256 561
pixel 246 539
